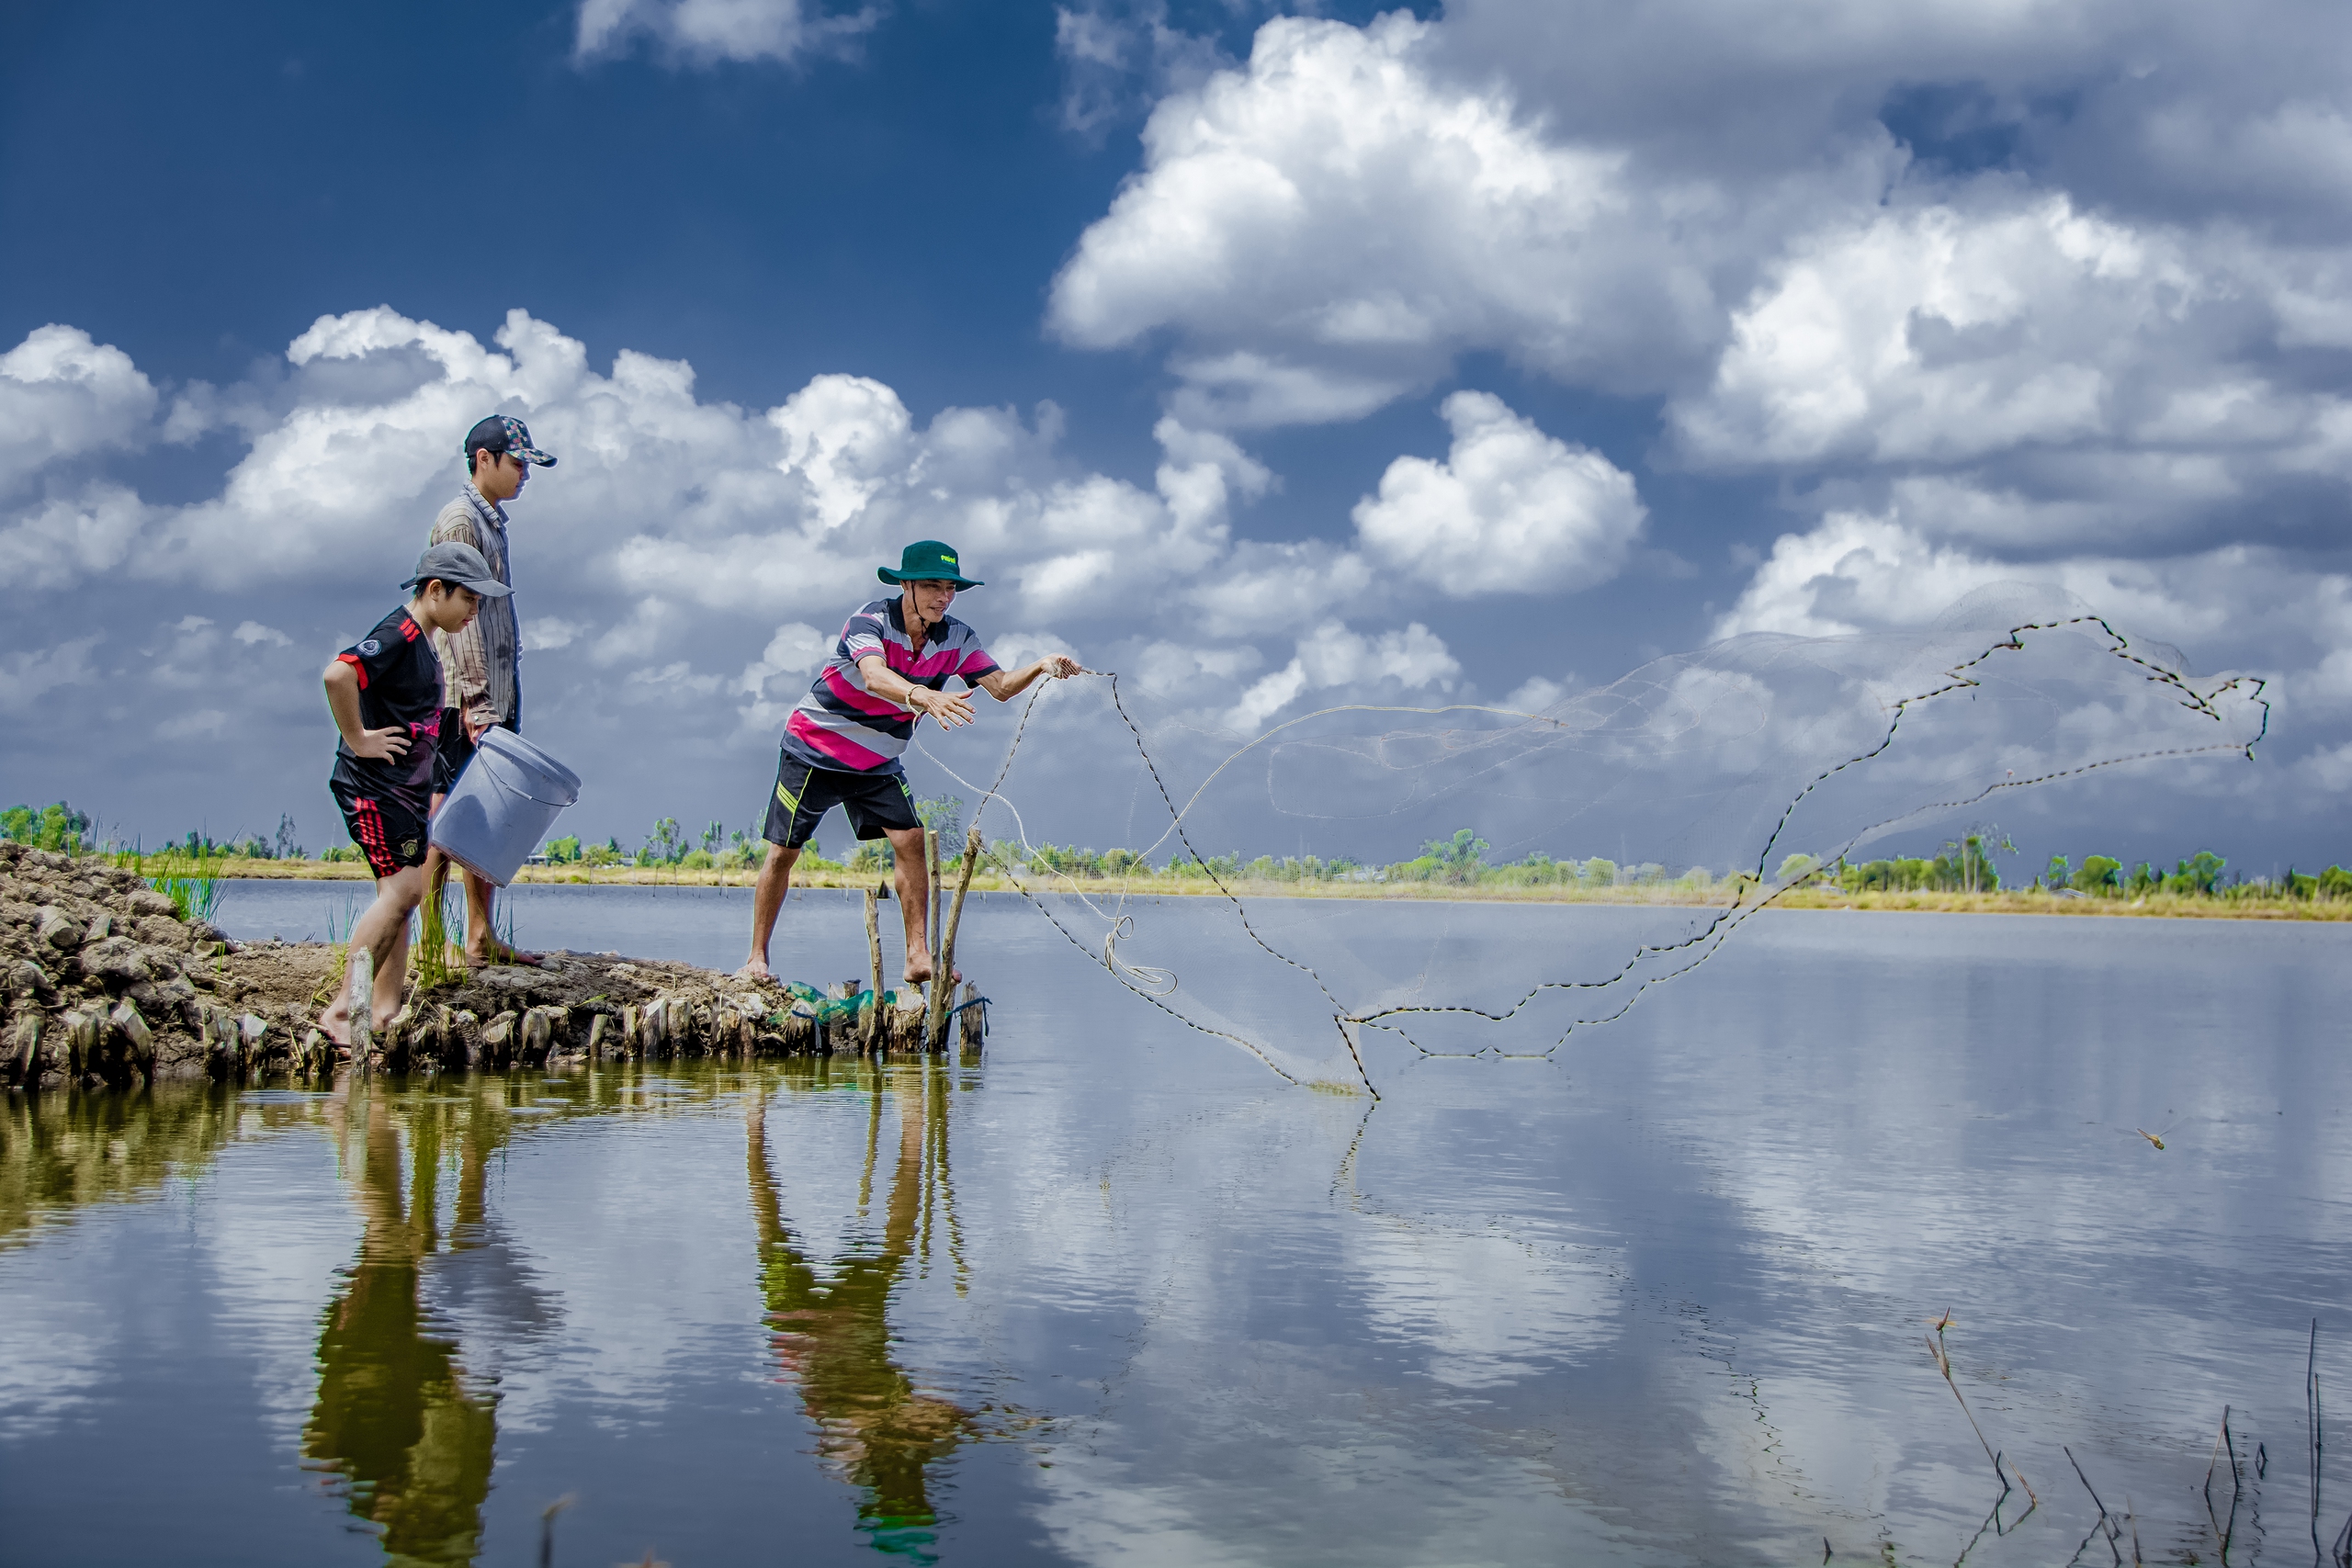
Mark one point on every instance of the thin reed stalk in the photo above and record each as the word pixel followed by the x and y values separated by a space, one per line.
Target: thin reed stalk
pixel 2224 1442
pixel 2313 1430
pixel 2106 1529
pixel 1943 1365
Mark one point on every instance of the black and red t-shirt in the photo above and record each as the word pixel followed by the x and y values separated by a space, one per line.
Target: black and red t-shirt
pixel 399 685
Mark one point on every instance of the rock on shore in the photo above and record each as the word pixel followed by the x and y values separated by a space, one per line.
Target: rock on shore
pixel 101 982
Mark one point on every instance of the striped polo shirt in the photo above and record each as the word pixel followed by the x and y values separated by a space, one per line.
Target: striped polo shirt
pixel 841 725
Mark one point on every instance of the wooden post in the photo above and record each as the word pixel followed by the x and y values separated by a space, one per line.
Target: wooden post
pixel 930 880
pixel 873 1020
pixel 29 1027
pixel 363 1008
pixel 942 958
pixel 970 1030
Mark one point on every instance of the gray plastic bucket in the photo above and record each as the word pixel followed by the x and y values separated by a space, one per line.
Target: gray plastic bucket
pixel 503 806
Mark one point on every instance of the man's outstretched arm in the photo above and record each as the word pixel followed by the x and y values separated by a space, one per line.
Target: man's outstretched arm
pixel 1004 686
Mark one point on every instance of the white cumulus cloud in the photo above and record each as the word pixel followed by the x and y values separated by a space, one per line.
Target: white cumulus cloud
pixel 29 679
pixel 1331 657
pixel 685 555
pixel 62 394
pixel 547 632
pixel 702 32
pixel 1325 228
pixel 1511 510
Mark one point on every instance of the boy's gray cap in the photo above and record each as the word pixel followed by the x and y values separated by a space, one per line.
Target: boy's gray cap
pixel 461 564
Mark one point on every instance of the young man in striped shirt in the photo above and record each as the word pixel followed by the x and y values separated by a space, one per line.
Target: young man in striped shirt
pixel 842 743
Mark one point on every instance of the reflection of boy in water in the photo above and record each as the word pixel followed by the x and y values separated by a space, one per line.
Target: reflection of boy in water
pixel 876 1426
pixel 393 1417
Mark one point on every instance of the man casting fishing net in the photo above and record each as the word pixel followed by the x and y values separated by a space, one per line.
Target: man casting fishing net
pixel 842 743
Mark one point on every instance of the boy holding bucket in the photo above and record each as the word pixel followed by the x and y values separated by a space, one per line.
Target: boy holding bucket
pixel 385 693
pixel 482 668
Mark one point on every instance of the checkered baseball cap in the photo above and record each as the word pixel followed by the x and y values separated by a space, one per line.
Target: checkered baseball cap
pixel 501 433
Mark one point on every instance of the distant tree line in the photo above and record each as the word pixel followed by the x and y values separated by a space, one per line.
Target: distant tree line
pixel 1460 861
pixel 57 827
pixel 2201 875
pixel 1964 865
pixel 62 829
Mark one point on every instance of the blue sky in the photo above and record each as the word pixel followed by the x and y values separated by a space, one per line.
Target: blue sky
pixel 1228 334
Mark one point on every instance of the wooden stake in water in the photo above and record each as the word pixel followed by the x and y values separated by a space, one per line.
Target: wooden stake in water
pixel 873 1020
pixel 942 962
pixel 930 880
pixel 363 1008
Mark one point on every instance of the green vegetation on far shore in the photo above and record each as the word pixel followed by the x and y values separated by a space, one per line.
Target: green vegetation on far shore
pixel 2245 902
pixel 1963 874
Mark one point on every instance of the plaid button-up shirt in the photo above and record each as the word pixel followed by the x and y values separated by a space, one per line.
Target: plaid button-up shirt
pixel 478 664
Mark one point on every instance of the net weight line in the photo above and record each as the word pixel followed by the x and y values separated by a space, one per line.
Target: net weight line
pixel 1156 984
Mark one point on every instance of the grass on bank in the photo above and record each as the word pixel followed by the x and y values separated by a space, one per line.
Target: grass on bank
pixel 192 882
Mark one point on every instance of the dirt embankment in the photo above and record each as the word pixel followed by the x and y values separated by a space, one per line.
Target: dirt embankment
pixel 102 983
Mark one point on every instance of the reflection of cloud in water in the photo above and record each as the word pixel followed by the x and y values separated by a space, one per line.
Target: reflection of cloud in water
pixel 1483 1306
pixel 1341 1493
pixel 486 1288
pixel 648 1267
pixel 282 1229
pixel 1099 1512
pixel 70 1160
pixel 46 1371
pixel 827 1203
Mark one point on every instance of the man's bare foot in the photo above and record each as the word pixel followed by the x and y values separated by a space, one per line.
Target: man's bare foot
pixel 754 969
pixel 502 953
pixel 919 972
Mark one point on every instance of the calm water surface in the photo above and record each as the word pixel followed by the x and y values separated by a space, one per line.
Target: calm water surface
pixel 1118 1295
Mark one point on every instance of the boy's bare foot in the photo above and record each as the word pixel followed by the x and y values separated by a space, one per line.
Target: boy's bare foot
pixel 919 972
pixel 754 969
pixel 502 953
pixel 336 1024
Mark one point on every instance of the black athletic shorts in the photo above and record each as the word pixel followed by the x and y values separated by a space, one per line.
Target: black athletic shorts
pixel 874 802
pixel 389 832
pixel 456 750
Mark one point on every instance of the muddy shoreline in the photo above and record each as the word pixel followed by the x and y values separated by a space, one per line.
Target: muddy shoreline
pixel 102 984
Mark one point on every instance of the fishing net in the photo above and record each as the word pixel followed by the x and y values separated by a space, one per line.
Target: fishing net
pixel 1644 820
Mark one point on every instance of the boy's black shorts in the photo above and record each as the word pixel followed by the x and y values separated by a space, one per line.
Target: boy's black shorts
pixel 803 793
pixel 389 832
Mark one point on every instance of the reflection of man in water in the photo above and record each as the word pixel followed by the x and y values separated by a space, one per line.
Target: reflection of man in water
pixel 875 1428
pixel 414 1445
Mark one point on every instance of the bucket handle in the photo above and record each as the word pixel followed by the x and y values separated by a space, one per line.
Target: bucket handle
pixel 516 789
pixel 527 794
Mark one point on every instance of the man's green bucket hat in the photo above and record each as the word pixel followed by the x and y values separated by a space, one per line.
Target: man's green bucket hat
pixel 927 561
